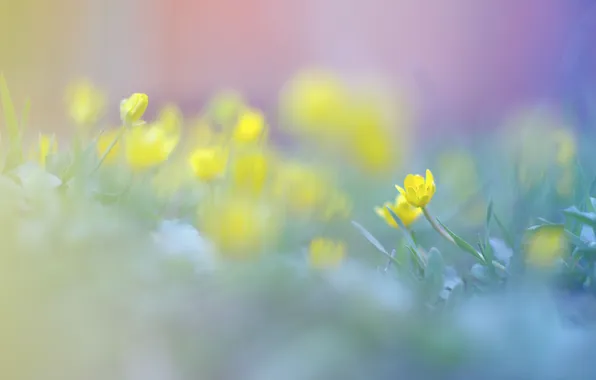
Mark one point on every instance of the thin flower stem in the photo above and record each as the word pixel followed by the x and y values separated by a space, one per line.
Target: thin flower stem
pixel 436 226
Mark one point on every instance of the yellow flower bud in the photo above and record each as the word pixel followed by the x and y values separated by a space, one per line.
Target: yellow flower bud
pixel 133 108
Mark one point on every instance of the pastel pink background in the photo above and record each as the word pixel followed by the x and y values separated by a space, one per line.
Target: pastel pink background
pixel 461 60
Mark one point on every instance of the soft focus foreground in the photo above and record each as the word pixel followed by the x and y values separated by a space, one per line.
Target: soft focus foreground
pixel 325 242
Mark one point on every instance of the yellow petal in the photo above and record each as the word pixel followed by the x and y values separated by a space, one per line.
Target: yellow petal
pixel 430 179
pixel 401 190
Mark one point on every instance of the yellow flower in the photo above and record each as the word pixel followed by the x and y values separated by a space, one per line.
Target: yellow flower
pixel 373 148
pixel 225 107
pixel 565 146
pixel 325 253
pixel 170 118
pixel 148 146
pixel 250 171
pixel 418 190
pixel 133 108
pixel 47 145
pixel 239 227
pixel 404 210
pixel 547 244
pixel 314 101
pixel 251 127
pixel 337 206
pixel 85 103
pixel 301 188
pixel 103 143
pixel 566 183
pixel 208 163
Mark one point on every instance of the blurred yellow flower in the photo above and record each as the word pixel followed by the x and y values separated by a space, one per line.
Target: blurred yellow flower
pixel 418 190
pixel 46 145
pixel 148 145
pixel 566 183
pixel 404 210
pixel 86 103
pixel 249 171
pixel 133 108
pixel 239 227
pixel 171 119
pixel 209 163
pixel 546 245
pixel 337 206
pixel 225 107
pixel 565 146
pixel 250 128
pixel 314 101
pixel 325 253
pixel 373 148
pixel 301 188
pixel 103 143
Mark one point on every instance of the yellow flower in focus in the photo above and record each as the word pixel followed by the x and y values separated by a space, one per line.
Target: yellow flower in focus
pixel 250 171
pixel 546 245
pixel 565 146
pixel 404 210
pixel 301 188
pixel 208 163
pixel 239 227
pixel 85 103
pixel 46 145
pixel 103 143
pixel 133 108
pixel 418 190
pixel 250 128
pixel 325 253
pixel 148 146
pixel 314 101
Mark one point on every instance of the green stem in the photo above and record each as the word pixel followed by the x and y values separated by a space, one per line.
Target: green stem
pixel 436 226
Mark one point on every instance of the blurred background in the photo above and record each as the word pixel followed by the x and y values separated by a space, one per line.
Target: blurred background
pixel 463 61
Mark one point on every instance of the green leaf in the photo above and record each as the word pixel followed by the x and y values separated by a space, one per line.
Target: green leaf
pixel 434 274
pixel 464 245
pixel 370 237
pixel 10 114
pixel 455 295
pixel 435 264
pixel 593 204
pixel 416 259
pixel 489 213
pixel 584 217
